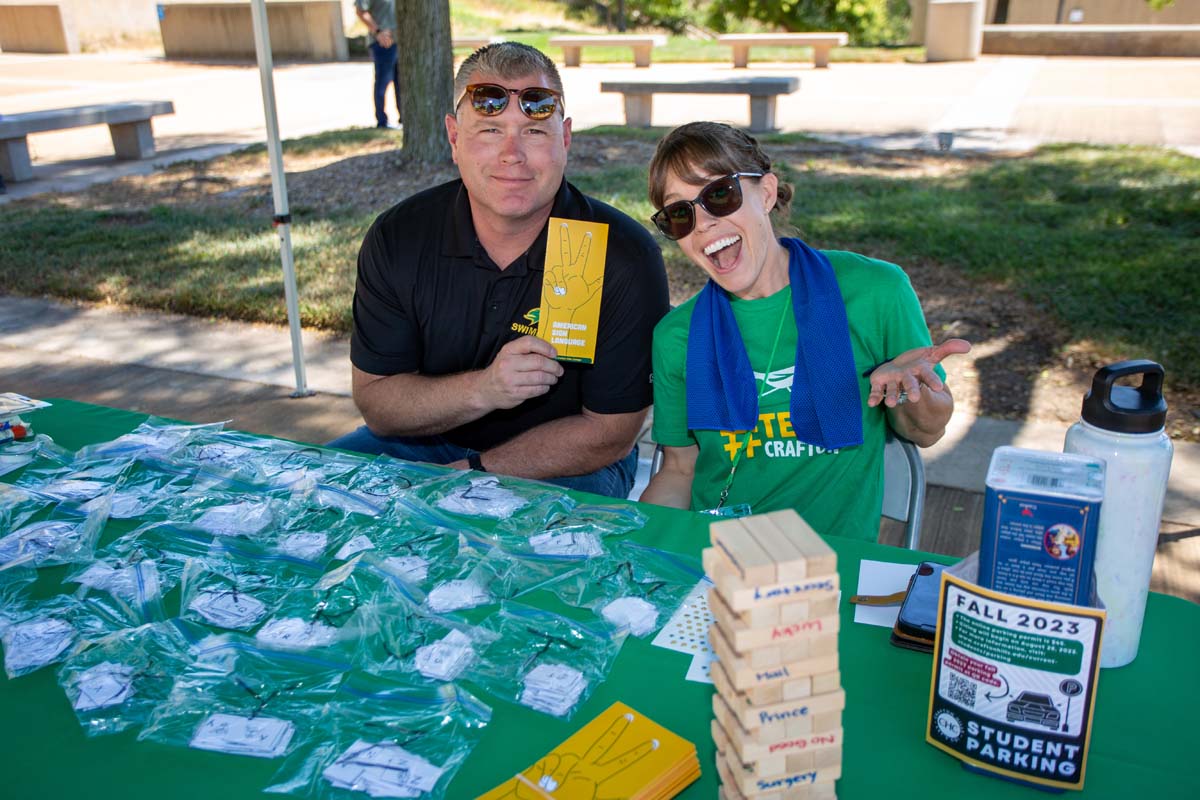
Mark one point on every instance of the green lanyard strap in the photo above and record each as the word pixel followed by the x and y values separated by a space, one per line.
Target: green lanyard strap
pixel 737 456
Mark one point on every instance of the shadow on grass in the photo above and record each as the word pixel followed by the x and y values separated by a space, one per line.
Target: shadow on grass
pixel 199 263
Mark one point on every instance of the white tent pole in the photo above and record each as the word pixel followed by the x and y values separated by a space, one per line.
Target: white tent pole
pixel 283 219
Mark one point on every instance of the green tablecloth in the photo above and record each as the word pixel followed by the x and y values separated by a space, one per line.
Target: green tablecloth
pixel 1144 730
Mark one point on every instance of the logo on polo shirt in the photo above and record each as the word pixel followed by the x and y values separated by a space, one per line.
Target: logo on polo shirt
pixel 531 316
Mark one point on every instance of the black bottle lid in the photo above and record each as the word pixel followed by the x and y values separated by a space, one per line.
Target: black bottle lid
pixel 1126 409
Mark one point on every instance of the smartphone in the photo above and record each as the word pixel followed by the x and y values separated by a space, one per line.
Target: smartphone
pixel 916 624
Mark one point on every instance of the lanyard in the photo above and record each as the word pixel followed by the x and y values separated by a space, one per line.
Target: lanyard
pixel 737 456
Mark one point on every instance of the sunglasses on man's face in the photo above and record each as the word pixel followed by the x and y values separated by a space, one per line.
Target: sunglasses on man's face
pixel 490 99
pixel 720 198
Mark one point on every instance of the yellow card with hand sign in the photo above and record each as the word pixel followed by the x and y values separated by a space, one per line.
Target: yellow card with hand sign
pixel 620 753
pixel 572 286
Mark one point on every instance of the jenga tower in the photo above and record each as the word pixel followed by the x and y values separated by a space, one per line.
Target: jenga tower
pixel 779 701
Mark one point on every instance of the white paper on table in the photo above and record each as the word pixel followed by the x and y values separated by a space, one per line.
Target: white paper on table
pixel 293 632
pixel 700 666
pixel 566 543
pixel 310 546
pixel 382 770
pixel 34 644
pixel 633 613
pixel 687 630
pixel 446 658
pixel 411 568
pixel 235 519
pixel 228 608
pixel 455 595
pixel 356 545
pixel 876 578
pixel 262 737
pixel 106 684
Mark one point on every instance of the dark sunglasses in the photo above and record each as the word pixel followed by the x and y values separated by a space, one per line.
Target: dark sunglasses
pixel 720 198
pixel 490 99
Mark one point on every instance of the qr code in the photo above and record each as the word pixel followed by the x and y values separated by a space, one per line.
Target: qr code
pixel 961 691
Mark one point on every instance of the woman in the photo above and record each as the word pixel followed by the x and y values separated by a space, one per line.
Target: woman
pixel 774 386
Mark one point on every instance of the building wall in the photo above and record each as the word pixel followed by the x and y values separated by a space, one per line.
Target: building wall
pixel 1097 12
pixel 100 24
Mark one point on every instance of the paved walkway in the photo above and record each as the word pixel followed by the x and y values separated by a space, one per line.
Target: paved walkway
pixel 203 371
pixel 1006 103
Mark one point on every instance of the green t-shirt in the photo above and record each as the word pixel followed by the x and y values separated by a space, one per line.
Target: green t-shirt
pixel 838 492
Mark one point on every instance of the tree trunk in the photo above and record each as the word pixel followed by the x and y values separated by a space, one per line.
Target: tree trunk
pixel 426 67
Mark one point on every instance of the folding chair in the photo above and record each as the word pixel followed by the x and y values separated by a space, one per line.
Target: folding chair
pixel 904 486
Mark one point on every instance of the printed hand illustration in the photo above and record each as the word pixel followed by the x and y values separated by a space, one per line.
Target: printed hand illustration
pixel 908 371
pixel 571 775
pixel 566 280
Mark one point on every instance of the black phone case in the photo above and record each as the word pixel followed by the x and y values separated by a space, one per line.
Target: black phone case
pixel 916 624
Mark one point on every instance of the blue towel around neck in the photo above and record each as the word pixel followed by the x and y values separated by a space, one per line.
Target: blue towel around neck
pixel 722 393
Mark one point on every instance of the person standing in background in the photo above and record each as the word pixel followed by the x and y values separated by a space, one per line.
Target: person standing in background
pixel 380 18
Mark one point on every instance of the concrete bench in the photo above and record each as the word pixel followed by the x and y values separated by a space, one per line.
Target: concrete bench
pixel 473 42
pixel 642 45
pixel 128 123
pixel 36 28
pixel 310 29
pixel 763 91
pixel 821 43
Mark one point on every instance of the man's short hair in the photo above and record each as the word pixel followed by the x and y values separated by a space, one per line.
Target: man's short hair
pixel 507 60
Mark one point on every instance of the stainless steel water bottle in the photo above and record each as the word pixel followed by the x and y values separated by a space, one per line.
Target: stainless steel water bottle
pixel 1125 426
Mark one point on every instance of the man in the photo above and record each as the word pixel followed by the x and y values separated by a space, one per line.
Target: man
pixel 380 18
pixel 449 288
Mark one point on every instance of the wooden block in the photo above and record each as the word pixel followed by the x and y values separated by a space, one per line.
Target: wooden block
pixel 743 596
pixel 733 538
pixel 744 675
pixel 817 554
pixel 756 788
pixel 771 693
pixel 803 649
pixel 745 637
pixel 821 722
pixel 821 684
pixel 730 791
pixel 829 743
pixel 754 716
pixel 790 561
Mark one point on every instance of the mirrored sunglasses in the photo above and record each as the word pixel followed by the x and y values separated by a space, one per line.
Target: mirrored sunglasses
pixel 720 198
pixel 490 99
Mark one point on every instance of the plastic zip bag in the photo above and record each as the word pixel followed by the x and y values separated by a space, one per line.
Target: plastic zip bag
pixel 115 682
pixel 384 479
pixel 130 596
pixel 166 544
pixel 638 587
pixel 15 455
pixel 330 615
pixel 545 661
pixel 237 584
pixel 43 634
pixel 51 531
pixel 275 463
pixel 387 739
pixel 236 698
pixel 406 640
pixel 487 501
pixel 155 437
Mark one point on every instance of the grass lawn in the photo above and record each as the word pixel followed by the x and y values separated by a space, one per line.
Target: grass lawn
pixel 1102 239
pixel 681 49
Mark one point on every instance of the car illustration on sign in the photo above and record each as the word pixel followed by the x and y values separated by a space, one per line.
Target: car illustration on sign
pixel 1035 708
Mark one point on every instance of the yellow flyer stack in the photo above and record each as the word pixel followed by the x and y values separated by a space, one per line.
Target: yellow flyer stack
pixel 618 754
pixel 779 701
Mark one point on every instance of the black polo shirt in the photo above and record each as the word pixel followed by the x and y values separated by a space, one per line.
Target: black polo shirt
pixel 430 300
